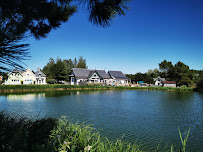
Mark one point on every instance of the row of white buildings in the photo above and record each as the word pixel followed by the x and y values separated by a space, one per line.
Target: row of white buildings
pixel 17 77
pixel 79 76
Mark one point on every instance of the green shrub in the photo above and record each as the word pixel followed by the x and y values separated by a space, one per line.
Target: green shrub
pixel 51 81
pixel 20 134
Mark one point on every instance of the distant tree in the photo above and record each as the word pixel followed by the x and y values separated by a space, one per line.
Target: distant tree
pixel 200 84
pixel 21 18
pixel 81 63
pixel 59 71
pixel 75 62
pixel 165 65
pixel 68 66
pixel 181 73
pixel 48 69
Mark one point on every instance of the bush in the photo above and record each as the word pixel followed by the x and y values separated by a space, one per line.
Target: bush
pixel 200 84
pixel 51 81
pixel 20 134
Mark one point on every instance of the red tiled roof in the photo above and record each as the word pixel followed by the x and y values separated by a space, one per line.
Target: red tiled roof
pixel 169 82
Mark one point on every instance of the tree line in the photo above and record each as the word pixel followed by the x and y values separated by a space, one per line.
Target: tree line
pixel 179 72
pixel 59 70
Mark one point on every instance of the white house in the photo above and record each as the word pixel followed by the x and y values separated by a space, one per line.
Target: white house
pixel 158 81
pixel 40 77
pixel 14 78
pixel 17 77
pixel 117 78
pixel 28 77
pixel 83 76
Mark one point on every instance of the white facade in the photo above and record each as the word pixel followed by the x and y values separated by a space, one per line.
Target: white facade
pixel 17 77
pixel 169 85
pixel 28 77
pixel 158 81
pixel 40 77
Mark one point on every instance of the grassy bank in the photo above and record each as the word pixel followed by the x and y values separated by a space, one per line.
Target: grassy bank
pixel 30 88
pixel 59 135
pixel 33 88
pixel 158 88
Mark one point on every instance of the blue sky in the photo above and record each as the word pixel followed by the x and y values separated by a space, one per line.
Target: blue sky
pixel 151 31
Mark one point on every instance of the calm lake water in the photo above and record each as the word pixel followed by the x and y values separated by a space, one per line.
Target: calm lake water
pixel 150 118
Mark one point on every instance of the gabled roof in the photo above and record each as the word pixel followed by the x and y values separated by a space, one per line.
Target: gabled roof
pixel 81 73
pixel 169 82
pixel 117 74
pixel 38 73
pixel 103 74
pixel 29 71
pixel 159 79
pixel 16 71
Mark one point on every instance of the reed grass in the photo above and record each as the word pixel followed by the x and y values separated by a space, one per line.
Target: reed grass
pixel 60 135
pixel 24 88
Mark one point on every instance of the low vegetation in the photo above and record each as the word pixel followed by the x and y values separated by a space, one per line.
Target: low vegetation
pixel 59 135
pixel 33 88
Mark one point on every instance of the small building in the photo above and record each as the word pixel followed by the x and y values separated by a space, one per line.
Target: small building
pixel 117 78
pixel 169 84
pixel 158 81
pixel 14 78
pixel 40 77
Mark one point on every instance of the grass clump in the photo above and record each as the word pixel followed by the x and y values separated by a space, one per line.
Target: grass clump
pixel 59 135
pixel 67 136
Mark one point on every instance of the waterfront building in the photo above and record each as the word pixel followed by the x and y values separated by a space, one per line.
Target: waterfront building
pixel 81 76
pixel 18 77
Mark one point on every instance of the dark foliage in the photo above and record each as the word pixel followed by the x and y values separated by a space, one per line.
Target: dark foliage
pixel 22 18
pixel 59 70
pixel 20 134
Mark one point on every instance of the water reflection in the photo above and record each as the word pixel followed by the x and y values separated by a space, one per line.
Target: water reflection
pixel 65 93
pixel 25 97
pixel 145 116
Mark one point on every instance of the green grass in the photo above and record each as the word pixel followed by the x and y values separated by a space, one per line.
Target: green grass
pixel 21 88
pixel 48 87
pixel 157 88
pixel 59 135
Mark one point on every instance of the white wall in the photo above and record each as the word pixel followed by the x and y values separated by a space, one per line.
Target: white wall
pixel 170 85
pixel 28 77
pixel 14 79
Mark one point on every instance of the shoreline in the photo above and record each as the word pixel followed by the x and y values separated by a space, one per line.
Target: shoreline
pixel 56 87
